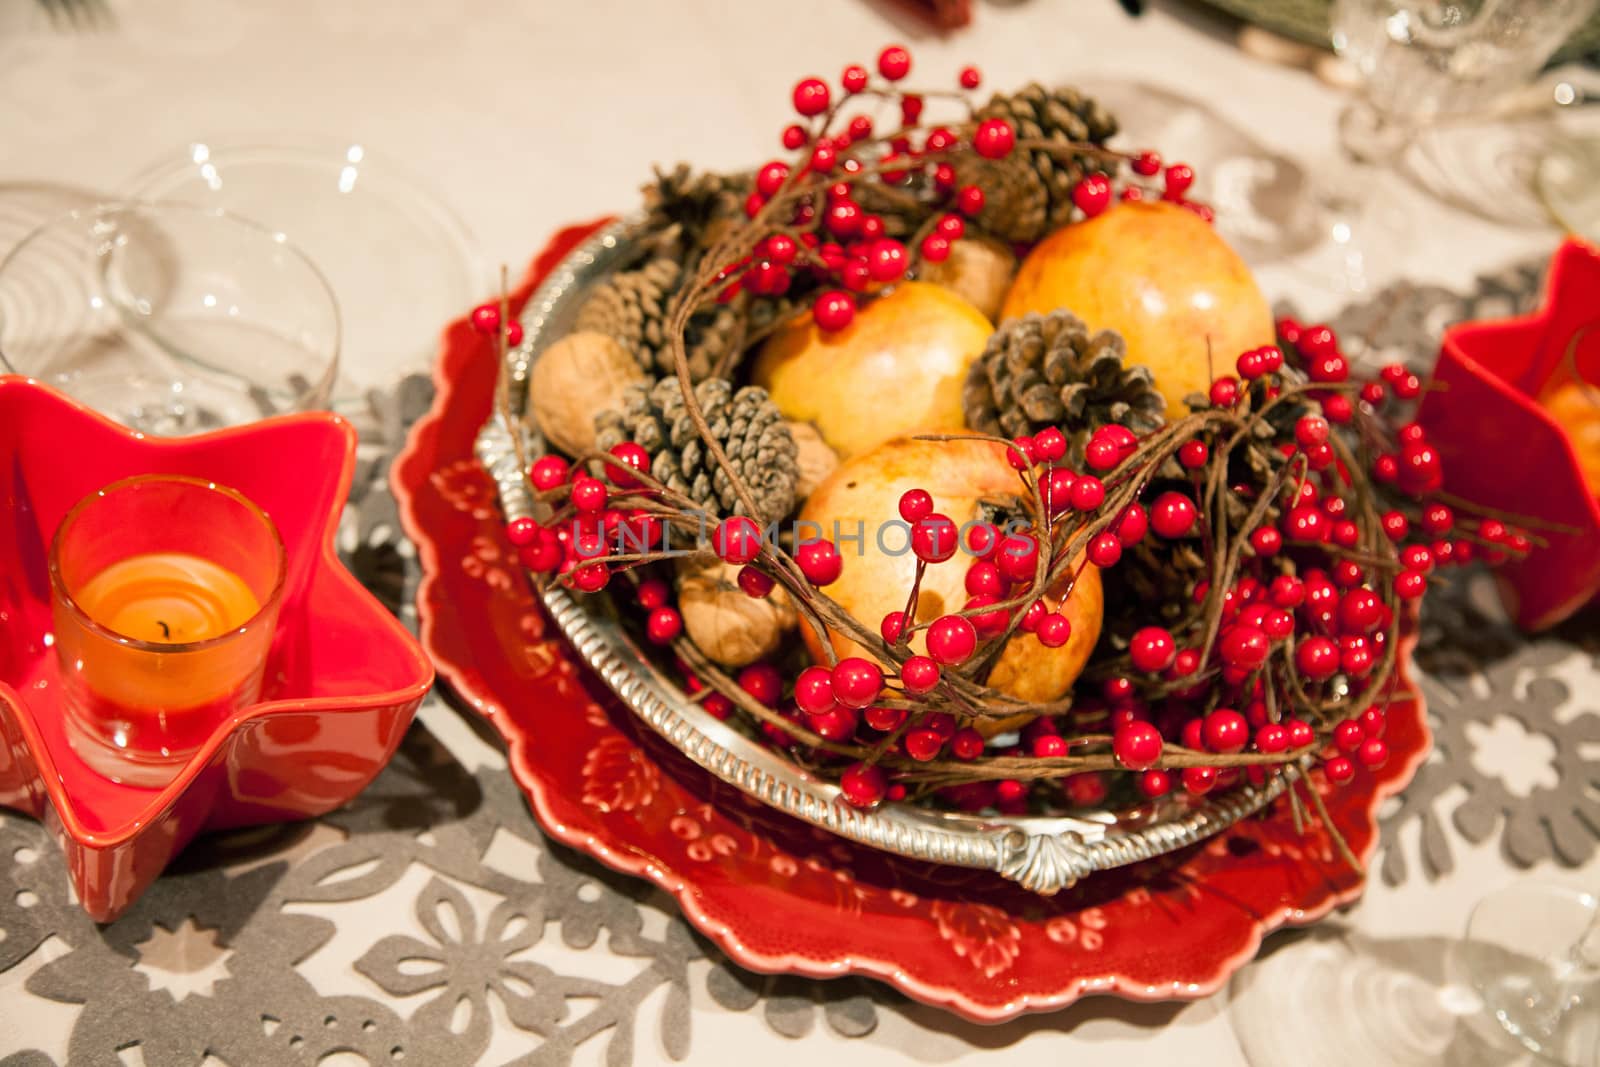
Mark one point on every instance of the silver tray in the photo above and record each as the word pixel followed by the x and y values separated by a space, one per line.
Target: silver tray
pixel 1042 854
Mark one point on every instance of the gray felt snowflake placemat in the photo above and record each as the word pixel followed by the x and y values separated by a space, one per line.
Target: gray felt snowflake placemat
pixel 488 914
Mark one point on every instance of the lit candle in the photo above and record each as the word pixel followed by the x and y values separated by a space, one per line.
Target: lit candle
pixel 165 596
pixel 1575 405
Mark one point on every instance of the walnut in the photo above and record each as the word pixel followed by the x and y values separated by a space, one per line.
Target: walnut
pixel 817 460
pixel 978 269
pixel 574 379
pixel 734 629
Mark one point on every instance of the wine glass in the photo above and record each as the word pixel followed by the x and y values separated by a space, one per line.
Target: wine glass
pixel 1532 956
pixel 169 318
pixel 1423 65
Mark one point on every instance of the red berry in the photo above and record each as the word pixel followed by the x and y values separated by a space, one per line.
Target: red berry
pixel 1437 519
pixel 1271 738
pixel 884 719
pixel 966 744
pixel 915 505
pixel 1266 540
pixel 919 675
pixel 984 579
pixel 1347 573
pixel 1172 515
pixel 854 78
pixel 1225 731
pixel 1307 523
pixel 1180 176
pixel 1193 454
pixel 1152 649
pixel 653 593
pixel 1192 735
pixel 1049 445
pixel 1184 664
pixel 987 623
pixel 794 136
pixel 1033 616
pixel 887 260
pixel 1339 770
pixel 1053 630
pixel 1337 408
pixel 856 681
pixel 1131 525
pixel 1018 556
pixel 1105 550
pixel 1287 591
pixel 1356 656
pixel 1224 392
pixel 892 626
pixel 1198 780
pixel 1137 746
pixel 486 318
pixel 1359 611
pixel 763 682
pixel 1092 195
pixel 1373 753
pixel 589 494
pixel 1311 430
pixel 591 577
pixel 834 310
pixel 864 785
pixel 1420 471
pixel 548 472
pixel 1155 783
pixel 994 139
pixel 1348 736
pixel 1409 585
pixel 1147 163
pixel 923 744
pixel 664 625
pixel 1049 746
pixel 1373 722
pixel 1386 468
pixel 935 248
pixel 1088 492
pixel 823 157
pixel 630 457
pixel 934 538
pixel 819 561
pixel 813 691
pixel 755 584
pixel 910 112
pixel 970 78
pixel 1300 733
pixel 952 227
pixel 894 62
pixel 1317 658
pixel 951 639
pixel 810 96
pixel 1245 647
pixel 970 200
pixel 770 178
pixel 522 531
pixel 737 540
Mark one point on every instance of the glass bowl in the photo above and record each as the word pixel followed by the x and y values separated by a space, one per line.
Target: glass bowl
pixel 169 318
pixel 400 261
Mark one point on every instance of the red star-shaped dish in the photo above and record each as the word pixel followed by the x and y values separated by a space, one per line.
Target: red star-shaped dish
pixel 1503 450
pixel 342 682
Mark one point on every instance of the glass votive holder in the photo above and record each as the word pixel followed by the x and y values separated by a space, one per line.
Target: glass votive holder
pixel 165 592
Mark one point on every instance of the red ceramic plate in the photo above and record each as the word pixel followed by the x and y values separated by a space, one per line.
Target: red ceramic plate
pixel 778 895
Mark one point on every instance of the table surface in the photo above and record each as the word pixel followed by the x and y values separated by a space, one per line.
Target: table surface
pixel 525 116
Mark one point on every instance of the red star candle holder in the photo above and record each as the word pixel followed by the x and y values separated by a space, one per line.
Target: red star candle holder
pixel 1504 447
pixel 342 677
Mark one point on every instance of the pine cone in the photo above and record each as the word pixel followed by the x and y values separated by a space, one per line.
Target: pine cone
pixel 1049 370
pixel 631 307
pixel 1029 193
pixel 687 210
pixel 746 423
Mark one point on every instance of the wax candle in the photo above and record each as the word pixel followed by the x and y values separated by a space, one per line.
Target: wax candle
pixel 165 598
pixel 1575 405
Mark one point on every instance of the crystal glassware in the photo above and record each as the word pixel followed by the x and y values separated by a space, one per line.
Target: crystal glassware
pixel 169 318
pixel 1531 956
